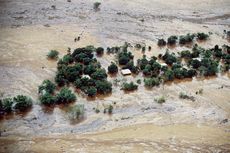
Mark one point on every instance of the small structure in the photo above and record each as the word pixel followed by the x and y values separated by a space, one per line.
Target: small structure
pixel 125 72
pixel 163 64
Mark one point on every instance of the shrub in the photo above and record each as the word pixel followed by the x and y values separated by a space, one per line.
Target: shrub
pixel 60 78
pixel 129 86
pixel 172 40
pixel 103 86
pixel 149 48
pixel 151 82
pixel 195 63
pixel 7 105
pixel 91 91
pixel 100 51
pixel 142 62
pixel 169 58
pixel 186 39
pixel 185 96
pixel 160 99
pixel 53 54
pixel 110 109
pixel 191 73
pixel 89 69
pixel 186 54
pixel 112 68
pixel 202 36
pixel 84 83
pixel 47 86
pixel 143 49
pixel 100 74
pixel 161 42
pixel 123 60
pixel 217 52
pixel 22 103
pixel 65 96
pixel 124 57
pixel 47 99
pixel 168 75
pixel 139 81
pixel 96 5
pixel 76 112
pixel 67 59
pixel 208 67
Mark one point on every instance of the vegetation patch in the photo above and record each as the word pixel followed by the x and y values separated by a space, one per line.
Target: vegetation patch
pixel 53 54
pixel 20 103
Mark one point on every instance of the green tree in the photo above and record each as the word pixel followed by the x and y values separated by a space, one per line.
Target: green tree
pixel 112 68
pixel 103 86
pixel 47 99
pixel 7 105
pixel 22 103
pixel 100 74
pixel 91 91
pixel 47 86
pixel 65 96
pixel 129 86
pixel 100 51
pixel 53 54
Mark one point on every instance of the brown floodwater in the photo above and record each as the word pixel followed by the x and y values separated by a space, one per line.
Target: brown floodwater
pixel 138 123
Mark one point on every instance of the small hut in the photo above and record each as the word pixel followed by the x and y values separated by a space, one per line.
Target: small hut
pixel 125 72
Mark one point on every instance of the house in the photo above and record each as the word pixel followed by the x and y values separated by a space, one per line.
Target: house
pixel 125 72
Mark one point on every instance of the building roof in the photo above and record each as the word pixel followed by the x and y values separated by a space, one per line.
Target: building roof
pixel 125 72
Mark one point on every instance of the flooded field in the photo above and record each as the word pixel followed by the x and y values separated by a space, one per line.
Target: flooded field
pixel 29 29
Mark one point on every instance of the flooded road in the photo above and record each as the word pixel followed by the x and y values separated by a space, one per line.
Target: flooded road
pixel 138 123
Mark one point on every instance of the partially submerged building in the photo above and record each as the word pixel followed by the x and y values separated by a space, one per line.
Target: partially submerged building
pixel 126 72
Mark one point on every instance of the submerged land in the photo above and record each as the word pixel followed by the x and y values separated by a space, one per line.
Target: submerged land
pixel 29 30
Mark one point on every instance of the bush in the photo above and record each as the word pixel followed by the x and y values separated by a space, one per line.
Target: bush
pixel 208 67
pixel 129 86
pixel 65 96
pixel 47 99
pixel 7 105
pixel 161 42
pixel 202 36
pixel 89 69
pixel 67 59
pixel 53 54
pixel 91 91
pixel 46 87
pixel 151 82
pixel 100 51
pixel 110 109
pixel 76 112
pixel 60 78
pixel 100 74
pixel 124 57
pixel 186 54
pixel 195 63
pixel 112 68
pixel 185 96
pixel 160 99
pixel 186 39
pixel 142 62
pixel 103 86
pixel 22 103
pixel 123 60
pixel 139 81
pixel 172 40
pixel 84 83
pixel 168 75
pixel 169 58
pixel 96 5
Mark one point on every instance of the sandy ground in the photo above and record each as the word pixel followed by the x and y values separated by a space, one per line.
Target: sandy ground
pixel 138 124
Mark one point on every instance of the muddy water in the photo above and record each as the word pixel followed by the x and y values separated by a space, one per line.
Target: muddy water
pixel 175 126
